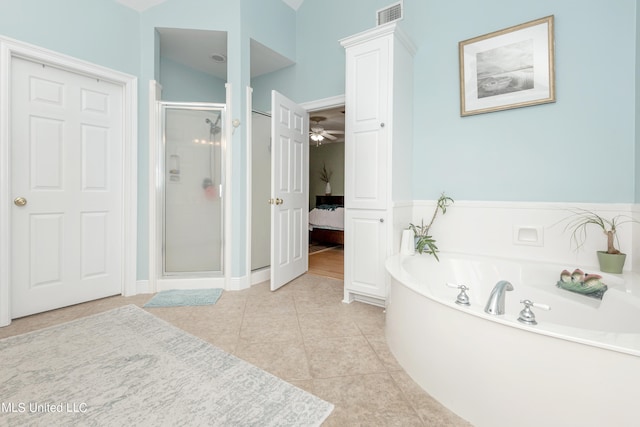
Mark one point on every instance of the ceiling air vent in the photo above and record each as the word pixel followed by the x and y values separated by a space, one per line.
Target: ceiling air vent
pixel 389 14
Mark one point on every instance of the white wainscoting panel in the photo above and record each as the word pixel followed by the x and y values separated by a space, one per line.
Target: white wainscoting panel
pixel 491 228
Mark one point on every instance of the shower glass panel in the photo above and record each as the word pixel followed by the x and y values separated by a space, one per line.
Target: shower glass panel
pixel 192 194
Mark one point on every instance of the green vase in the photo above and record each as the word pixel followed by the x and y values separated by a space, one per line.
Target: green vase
pixel 611 263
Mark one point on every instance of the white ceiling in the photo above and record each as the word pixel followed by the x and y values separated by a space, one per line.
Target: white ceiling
pixel 141 5
pixel 265 60
pixel 194 48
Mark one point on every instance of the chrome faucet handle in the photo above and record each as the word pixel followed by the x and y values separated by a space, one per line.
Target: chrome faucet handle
pixel 535 304
pixel 462 298
pixel 526 315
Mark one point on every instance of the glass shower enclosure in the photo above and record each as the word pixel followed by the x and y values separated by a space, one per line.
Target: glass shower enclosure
pixel 192 196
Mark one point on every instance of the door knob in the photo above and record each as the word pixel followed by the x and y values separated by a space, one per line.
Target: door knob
pixel 279 201
pixel 20 201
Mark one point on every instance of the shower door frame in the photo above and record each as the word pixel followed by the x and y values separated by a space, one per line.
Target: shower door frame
pixel 158 279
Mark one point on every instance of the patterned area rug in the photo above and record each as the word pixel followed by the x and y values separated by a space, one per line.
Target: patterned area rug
pixel 183 297
pixel 127 367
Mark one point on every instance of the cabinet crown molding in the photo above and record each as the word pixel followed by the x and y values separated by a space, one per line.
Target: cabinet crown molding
pixel 381 31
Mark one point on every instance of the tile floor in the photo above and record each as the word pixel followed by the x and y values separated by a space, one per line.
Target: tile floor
pixel 305 335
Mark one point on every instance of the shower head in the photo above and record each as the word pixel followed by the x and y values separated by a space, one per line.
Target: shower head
pixel 208 120
pixel 214 126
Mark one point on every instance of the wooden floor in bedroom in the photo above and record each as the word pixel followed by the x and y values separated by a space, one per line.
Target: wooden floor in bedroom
pixel 328 263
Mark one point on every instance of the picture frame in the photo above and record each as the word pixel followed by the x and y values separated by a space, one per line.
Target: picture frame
pixel 510 68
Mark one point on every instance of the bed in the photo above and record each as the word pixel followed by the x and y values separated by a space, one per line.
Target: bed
pixel 326 220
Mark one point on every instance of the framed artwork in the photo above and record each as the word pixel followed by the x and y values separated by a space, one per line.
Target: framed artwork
pixel 510 68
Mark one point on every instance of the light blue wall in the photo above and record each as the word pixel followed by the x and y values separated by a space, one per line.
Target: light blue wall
pixel 579 149
pixel 99 31
pixel 264 84
pixel 184 84
pixel 271 23
pixel 583 148
pixel 321 58
pixel 320 61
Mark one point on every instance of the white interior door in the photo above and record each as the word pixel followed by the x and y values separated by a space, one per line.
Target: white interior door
pixel 66 181
pixel 289 190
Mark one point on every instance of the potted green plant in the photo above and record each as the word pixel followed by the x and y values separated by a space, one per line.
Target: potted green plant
pixel 325 176
pixel 425 243
pixel 611 260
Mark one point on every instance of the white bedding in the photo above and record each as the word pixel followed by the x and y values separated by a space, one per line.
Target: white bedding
pixel 324 218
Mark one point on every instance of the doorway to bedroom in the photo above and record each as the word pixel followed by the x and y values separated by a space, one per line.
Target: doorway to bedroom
pixel 326 192
pixel 328 262
pixel 326 205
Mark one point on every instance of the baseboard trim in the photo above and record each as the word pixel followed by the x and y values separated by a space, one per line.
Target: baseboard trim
pixel 143 287
pixel 239 283
pixel 261 275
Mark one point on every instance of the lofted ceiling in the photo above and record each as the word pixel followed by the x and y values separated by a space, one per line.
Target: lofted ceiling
pixel 195 48
pixel 198 48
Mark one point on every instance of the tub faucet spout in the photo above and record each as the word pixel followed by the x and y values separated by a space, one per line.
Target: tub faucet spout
pixel 495 305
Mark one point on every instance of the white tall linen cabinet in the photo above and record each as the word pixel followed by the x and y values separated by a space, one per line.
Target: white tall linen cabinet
pixel 378 156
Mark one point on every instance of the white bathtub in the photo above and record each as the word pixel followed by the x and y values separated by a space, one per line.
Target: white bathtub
pixel 579 366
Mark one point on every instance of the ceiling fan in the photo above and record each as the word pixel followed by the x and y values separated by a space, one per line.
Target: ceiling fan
pixel 318 133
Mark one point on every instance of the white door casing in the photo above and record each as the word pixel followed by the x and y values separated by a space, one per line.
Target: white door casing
pixel 77 172
pixel 289 190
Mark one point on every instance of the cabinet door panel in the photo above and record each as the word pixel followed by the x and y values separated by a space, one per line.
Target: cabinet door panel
pixel 368 171
pixel 366 140
pixel 365 252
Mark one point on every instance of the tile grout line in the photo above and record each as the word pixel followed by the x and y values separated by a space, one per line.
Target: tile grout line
pixel 304 345
pixel 406 398
pixel 244 310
